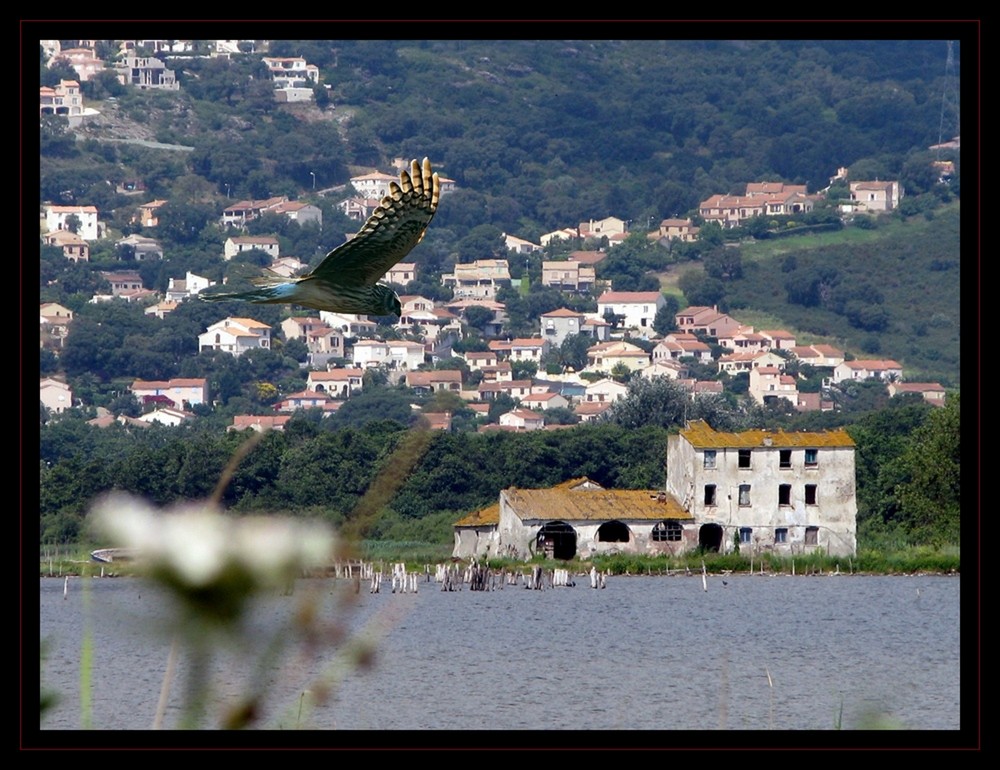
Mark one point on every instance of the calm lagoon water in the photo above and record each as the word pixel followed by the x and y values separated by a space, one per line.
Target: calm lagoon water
pixel 753 653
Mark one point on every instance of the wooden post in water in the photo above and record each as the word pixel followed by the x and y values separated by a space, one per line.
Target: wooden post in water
pixel 704 576
pixel 65 587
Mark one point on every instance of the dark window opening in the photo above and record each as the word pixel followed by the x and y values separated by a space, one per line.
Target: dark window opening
pixel 710 494
pixel 744 458
pixel 785 458
pixel 810 494
pixel 667 531
pixel 781 535
pixel 745 534
pixel 812 458
pixel 784 494
pixel 812 535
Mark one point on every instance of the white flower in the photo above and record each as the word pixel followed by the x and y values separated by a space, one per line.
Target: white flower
pixel 194 546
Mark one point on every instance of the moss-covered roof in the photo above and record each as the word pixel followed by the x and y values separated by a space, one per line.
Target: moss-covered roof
pixel 485 517
pixel 569 504
pixel 701 436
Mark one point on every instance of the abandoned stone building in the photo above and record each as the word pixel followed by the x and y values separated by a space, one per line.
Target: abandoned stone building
pixel 762 491
pixel 770 490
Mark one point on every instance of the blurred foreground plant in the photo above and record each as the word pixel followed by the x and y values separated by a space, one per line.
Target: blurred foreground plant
pixel 216 565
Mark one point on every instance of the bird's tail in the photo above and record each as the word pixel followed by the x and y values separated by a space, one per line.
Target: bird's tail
pixel 269 289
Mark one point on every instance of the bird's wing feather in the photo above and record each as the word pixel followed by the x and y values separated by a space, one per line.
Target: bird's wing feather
pixel 396 226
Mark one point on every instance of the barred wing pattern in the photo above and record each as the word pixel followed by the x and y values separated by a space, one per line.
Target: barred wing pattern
pixel 390 233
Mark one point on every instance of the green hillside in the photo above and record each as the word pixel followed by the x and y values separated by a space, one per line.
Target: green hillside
pixel 892 294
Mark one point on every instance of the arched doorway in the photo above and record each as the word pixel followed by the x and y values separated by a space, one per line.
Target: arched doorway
pixel 613 532
pixel 557 540
pixel 710 537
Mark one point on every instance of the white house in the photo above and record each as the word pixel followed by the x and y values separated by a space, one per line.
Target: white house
pixel 55 395
pixel 547 400
pixel 190 286
pixel 56 218
pixel 734 363
pixel 859 369
pixel 369 353
pixel 636 308
pixel 528 349
pixel 768 383
pixel 595 228
pixel 240 243
pixel 374 185
pixel 401 273
pixel 64 99
pixel 336 383
pixel 235 336
pixel 567 275
pixel 169 416
pixel 519 245
pixel 522 419
pixel 818 355
pixel 876 196
pixel 300 211
pixel 178 391
pixel 404 354
pixel 605 356
pixel 678 345
pixel 479 279
pixel 605 391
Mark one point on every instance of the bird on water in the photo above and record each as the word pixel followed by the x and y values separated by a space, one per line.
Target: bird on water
pixel 347 280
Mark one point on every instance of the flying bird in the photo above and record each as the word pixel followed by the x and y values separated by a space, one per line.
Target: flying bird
pixel 346 281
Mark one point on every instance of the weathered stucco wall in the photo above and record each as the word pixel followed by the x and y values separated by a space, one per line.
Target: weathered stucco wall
pixel 773 488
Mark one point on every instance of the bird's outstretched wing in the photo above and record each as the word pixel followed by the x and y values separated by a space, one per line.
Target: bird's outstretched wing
pixel 395 227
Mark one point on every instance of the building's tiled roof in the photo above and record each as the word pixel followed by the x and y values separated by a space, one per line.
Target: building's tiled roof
pixel 587 257
pixel 872 365
pixel 919 387
pixel 701 435
pixel 249 323
pixel 629 296
pixel 568 504
pixel 485 517
pixel 422 379
pixel 586 408
pixel 194 382
pixel 242 421
pixel 336 375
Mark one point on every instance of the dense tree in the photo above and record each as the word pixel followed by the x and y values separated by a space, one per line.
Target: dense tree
pixel 665 320
pixel 701 289
pixel 929 493
pixel 659 401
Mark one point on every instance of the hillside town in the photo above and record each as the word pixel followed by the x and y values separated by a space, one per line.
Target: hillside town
pixel 510 332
